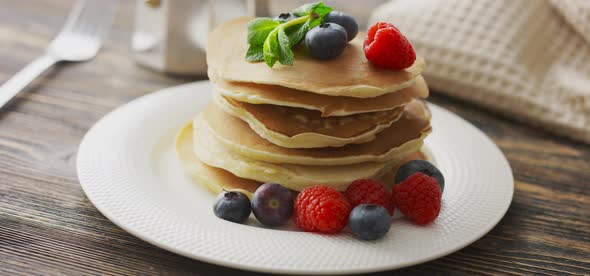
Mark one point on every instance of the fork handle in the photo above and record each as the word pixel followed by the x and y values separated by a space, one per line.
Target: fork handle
pixel 19 81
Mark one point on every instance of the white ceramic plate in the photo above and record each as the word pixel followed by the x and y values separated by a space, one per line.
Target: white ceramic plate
pixel 128 169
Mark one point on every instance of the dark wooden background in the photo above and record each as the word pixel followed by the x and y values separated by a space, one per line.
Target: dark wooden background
pixel 48 226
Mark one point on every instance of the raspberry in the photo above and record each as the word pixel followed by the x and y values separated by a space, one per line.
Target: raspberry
pixel 321 209
pixel 387 47
pixel 368 191
pixel 418 198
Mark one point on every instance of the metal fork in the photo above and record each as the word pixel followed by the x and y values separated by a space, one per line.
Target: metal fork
pixel 79 40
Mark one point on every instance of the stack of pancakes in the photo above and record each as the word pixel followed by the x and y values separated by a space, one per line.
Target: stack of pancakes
pixel 316 122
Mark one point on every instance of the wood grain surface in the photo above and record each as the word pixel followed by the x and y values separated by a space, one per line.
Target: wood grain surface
pixel 48 226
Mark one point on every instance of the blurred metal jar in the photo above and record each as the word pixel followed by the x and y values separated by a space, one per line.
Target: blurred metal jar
pixel 170 35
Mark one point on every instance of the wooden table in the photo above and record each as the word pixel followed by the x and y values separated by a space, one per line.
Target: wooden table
pixel 48 226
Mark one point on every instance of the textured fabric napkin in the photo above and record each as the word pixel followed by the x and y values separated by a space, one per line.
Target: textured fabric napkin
pixel 527 59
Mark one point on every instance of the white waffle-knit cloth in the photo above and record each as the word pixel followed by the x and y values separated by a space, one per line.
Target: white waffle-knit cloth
pixel 527 59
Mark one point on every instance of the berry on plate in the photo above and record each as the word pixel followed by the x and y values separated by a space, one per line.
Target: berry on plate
pixel 321 209
pixel 369 222
pixel 232 206
pixel 422 166
pixel 326 41
pixel 346 21
pixel 387 47
pixel 418 198
pixel 371 192
pixel 272 204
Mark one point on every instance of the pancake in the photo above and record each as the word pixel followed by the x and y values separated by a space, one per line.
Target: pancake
pixel 403 137
pixel 350 74
pixel 292 127
pixel 213 178
pixel 212 152
pixel 254 93
pixel 217 180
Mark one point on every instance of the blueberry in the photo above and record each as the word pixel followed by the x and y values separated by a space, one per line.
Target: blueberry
pixel 284 17
pixel 346 21
pixel 272 204
pixel 369 222
pixel 232 206
pixel 326 41
pixel 422 166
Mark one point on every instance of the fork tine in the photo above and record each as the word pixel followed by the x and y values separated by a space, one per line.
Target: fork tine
pixel 103 20
pixel 107 20
pixel 73 16
pixel 97 18
pixel 85 28
pixel 88 17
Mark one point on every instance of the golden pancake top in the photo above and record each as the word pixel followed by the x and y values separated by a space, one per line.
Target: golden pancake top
pixel 328 105
pixel 350 74
pixel 413 125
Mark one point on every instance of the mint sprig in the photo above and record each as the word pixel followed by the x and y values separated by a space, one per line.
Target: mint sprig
pixel 271 40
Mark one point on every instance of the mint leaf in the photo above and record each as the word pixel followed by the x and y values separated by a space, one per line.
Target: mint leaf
pixel 285 53
pixel 271 40
pixel 318 13
pixel 318 8
pixel 306 9
pixel 255 53
pixel 322 10
pixel 258 30
pixel 271 48
pixel 297 33
pixel 315 23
